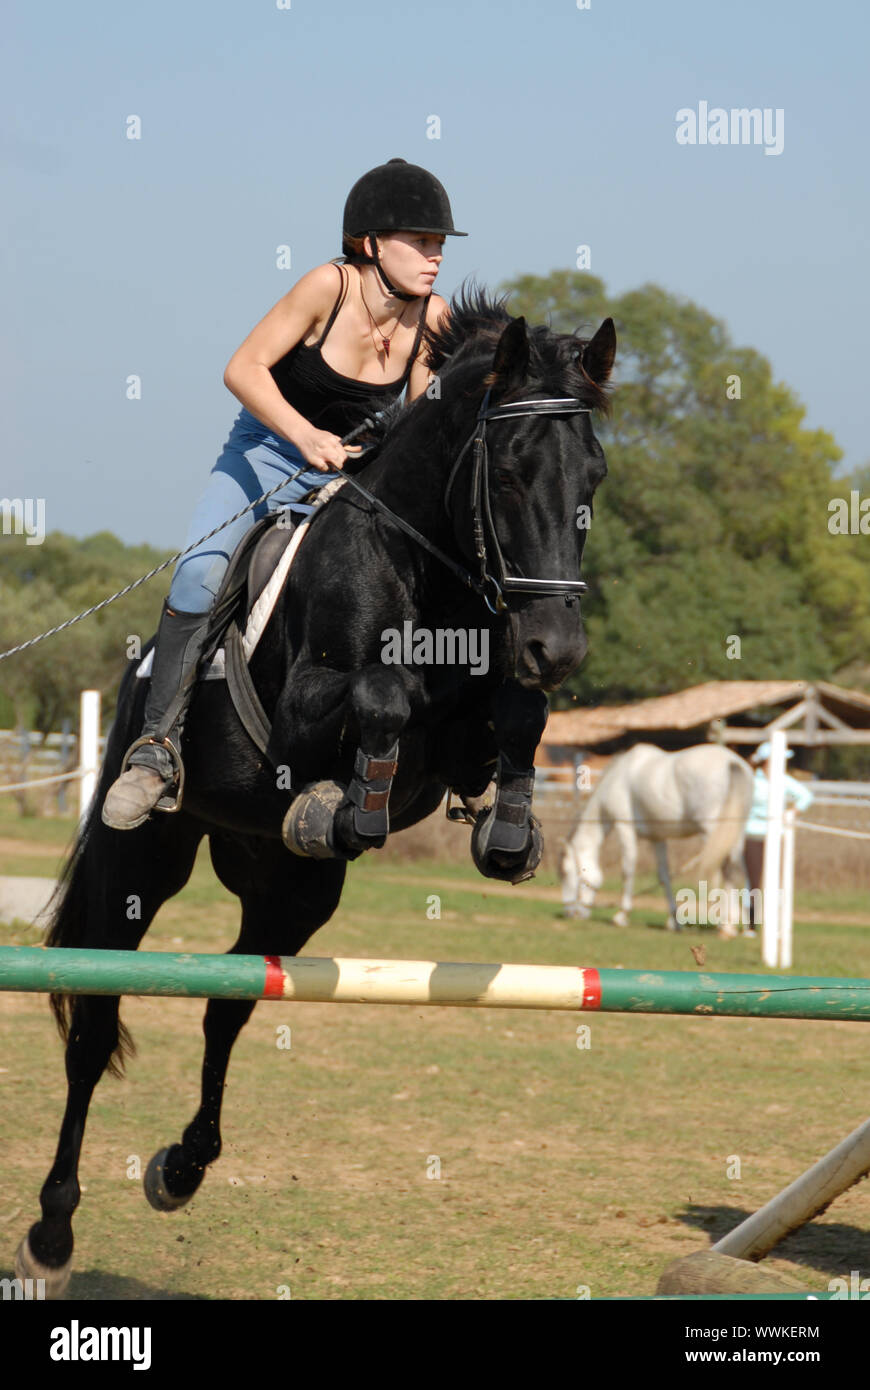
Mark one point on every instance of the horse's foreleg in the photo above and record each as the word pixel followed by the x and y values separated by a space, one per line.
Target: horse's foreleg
pixel 380 700
pixel 628 845
pixel 506 842
pixel 327 821
pixel 661 849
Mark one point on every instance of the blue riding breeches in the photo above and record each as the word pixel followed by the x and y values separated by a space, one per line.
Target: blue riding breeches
pixel 253 460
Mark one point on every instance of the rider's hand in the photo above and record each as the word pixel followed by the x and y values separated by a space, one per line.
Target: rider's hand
pixel 324 451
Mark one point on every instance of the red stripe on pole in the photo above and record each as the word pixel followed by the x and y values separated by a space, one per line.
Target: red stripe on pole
pixel 274 985
pixel 591 989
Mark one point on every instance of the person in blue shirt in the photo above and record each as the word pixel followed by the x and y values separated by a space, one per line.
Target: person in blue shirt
pixel 797 794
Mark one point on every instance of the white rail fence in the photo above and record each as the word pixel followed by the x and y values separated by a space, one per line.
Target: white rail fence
pixel 32 753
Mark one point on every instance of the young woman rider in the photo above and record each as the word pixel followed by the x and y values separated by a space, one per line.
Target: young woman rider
pixel 296 407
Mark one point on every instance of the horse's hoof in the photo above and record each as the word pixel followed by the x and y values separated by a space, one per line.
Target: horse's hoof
pixel 673 925
pixel 497 860
pixel 308 825
pixel 27 1266
pixel 156 1191
pixel 620 919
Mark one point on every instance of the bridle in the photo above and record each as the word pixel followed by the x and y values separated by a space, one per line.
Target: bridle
pixel 500 584
pixel 493 584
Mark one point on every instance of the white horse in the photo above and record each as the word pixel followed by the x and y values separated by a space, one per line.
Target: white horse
pixel 661 796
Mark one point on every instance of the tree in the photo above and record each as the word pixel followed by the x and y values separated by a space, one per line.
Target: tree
pixel 713 522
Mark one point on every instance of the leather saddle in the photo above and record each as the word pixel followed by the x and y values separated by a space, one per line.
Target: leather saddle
pixel 250 568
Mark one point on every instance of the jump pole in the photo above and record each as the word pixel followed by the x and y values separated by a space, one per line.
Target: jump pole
pixel 727 1266
pixel 314 980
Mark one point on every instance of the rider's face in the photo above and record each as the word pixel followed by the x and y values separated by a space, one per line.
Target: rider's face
pixel 412 259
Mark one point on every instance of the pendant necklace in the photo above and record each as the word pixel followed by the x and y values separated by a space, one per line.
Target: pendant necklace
pixel 385 340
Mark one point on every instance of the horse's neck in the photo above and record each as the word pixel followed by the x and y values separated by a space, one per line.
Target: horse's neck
pixel 411 472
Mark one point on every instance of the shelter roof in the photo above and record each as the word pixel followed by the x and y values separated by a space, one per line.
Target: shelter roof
pixel 699 704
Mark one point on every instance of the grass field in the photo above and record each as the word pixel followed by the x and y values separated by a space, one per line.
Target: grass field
pixel 560 1166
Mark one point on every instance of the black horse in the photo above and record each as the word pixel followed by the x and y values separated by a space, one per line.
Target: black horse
pixel 371 743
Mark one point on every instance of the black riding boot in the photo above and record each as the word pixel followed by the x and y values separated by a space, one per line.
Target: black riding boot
pixel 152 767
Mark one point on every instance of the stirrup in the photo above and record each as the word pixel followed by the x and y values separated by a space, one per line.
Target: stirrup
pixel 460 815
pixel 171 798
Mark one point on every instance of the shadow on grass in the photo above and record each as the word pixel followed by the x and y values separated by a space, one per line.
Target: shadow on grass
pixel 98 1286
pixel 834 1247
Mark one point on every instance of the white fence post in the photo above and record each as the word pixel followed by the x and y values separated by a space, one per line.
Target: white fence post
pixel 772 850
pixel 787 900
pixel 89 748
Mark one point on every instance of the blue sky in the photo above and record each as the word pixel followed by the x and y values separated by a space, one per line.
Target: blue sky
pixel 157 256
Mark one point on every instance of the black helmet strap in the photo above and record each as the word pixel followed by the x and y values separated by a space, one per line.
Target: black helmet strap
pixel 379 270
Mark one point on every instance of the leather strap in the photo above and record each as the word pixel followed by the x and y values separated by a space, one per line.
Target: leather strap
pixel 256 721
pixel 373 769
pixel 367 799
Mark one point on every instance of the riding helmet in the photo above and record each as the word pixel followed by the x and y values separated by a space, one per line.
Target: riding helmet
pixel 396 197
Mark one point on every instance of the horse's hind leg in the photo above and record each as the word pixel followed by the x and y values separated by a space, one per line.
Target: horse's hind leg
pixel 46 1252
pixel 740 903
pixel 661 849
pixel 268 881
pixel 94 912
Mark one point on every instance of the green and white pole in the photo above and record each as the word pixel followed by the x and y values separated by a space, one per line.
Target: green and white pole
pixel 465 985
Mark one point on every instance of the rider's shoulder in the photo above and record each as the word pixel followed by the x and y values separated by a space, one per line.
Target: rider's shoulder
pixel 436 310
pixel 316 286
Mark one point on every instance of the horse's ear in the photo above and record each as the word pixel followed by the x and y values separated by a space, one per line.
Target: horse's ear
pixel 596 357
pixel 510 365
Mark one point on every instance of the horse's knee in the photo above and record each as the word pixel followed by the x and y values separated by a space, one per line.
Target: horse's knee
pixel 380 702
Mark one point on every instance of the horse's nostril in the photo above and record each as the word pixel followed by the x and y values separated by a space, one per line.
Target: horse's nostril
pixel 536 654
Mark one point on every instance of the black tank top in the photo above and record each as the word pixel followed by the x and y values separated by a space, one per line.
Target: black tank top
pixel 329 400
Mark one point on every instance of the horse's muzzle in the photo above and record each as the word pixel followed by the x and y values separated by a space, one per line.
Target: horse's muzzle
pixel 543 663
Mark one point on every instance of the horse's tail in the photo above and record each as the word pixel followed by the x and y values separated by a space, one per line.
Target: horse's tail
pixel 78 907
pixel 729 829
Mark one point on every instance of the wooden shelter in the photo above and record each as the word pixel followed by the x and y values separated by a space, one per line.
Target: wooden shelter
pixel 816 714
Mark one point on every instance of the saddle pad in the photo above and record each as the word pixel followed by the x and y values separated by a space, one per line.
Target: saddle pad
pixel 261 611
pixel 214 671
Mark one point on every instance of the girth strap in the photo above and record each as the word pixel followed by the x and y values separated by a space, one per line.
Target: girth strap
pixel 245 698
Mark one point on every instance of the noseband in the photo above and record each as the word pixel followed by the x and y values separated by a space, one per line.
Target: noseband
pixel 495 584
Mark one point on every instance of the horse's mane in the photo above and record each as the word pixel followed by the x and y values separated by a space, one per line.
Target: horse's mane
pixel 468 337
pixel 476 322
